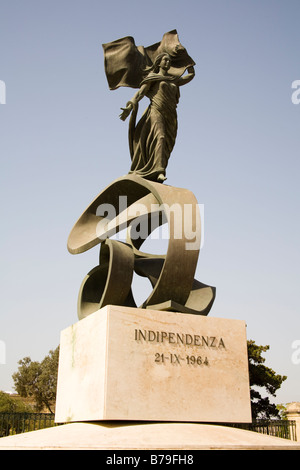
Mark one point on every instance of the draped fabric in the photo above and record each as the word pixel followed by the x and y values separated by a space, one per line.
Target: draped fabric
pixel 125 62
pixel 151 141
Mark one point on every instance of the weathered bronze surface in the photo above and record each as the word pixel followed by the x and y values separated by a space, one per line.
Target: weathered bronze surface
pixel 171 275
pixel 139 201
pixel 158 71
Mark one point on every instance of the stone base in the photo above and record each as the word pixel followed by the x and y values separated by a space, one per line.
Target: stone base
pixel 146 436
pixel 134 364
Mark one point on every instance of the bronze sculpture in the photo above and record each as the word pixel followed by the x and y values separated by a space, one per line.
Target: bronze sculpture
pixel 151 141
pixel 171 275
pixel 157 71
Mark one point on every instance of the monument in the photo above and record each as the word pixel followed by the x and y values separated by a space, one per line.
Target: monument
pixel 163 374
pixel 163 360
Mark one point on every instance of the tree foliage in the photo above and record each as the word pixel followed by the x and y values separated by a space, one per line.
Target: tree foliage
pixel 9 404
pixel 38 380
pixel 262 377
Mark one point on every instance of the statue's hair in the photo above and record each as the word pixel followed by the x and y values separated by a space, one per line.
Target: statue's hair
pixel 155 66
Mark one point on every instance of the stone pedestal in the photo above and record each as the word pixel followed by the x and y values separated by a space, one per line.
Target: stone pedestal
pixel 133 437
pixel 143 365
pixel 293 414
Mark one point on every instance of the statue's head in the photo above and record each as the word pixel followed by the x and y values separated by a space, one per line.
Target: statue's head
pixel 162 60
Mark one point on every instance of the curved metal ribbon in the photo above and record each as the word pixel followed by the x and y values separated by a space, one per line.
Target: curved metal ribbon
pixel 172 275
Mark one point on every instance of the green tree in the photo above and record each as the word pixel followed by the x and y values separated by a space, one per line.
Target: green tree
pixel 9 405
pixel 38 380
pixel 262 377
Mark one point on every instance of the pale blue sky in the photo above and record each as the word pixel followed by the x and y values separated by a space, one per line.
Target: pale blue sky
pixel 237 150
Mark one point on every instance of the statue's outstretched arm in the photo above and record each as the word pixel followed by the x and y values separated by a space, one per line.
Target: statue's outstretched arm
pixel 134 101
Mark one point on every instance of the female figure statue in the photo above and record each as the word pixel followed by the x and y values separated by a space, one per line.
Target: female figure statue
pixel 152 139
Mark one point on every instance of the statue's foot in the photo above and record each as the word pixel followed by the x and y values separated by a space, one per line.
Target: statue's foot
pixel 161 178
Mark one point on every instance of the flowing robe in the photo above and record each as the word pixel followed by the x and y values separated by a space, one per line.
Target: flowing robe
pixel 151 141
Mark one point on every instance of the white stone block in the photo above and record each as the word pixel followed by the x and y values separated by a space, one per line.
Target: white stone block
pixel 124 363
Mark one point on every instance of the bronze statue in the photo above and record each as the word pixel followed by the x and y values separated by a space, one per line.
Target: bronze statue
pixel 152 139
pixel 157 72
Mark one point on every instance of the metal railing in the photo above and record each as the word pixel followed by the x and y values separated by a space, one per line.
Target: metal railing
pixel 284 428
pixel 16 423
